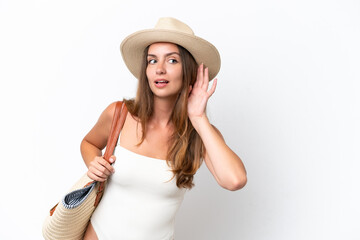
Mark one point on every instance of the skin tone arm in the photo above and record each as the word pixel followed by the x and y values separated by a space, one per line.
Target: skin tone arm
pixel 223 163
pixel 94 142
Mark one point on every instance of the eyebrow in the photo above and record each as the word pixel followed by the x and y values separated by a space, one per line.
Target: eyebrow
pixel 166 55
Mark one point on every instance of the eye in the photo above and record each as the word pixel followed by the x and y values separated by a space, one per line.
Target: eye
pixel 151 61
pixel 173 60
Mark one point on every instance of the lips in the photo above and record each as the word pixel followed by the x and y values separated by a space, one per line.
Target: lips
pixel 160 83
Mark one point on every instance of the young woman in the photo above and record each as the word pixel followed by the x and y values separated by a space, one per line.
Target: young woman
pixel 165 137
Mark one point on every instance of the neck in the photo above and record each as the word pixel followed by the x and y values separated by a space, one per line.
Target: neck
pixel 162 111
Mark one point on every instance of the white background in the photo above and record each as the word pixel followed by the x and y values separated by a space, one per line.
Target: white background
pixel 287 103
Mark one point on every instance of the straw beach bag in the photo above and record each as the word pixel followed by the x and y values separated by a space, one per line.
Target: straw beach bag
pixel 69 218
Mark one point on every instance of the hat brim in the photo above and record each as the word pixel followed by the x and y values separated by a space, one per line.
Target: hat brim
pixel 132 49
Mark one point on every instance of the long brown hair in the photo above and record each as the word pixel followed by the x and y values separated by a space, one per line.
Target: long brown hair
pixel 186 148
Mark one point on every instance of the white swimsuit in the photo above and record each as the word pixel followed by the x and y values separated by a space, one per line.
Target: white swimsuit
pixel 140 202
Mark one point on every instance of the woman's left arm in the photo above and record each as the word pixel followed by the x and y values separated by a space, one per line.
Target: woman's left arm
pixel 223 163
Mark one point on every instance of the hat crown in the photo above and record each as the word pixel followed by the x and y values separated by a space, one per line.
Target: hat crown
pixel 168 29
pixel 173 24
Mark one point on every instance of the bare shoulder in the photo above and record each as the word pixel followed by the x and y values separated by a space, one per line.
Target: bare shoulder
pixel 99 134
pixel 106 117
pixel 109 111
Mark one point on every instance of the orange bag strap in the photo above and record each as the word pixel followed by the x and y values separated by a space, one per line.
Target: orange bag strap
pixel 116 126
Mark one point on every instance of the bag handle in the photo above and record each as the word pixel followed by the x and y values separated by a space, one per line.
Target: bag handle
pixel 116 126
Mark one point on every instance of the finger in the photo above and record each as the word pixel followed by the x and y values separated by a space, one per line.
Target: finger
pixel 100 171
pixel 112 159
pixel 197 77
pixel 103 166
pixel 109 168
pixel 109 165
pixel 213 87
pixel 103 162
pixel 200 76
pixel 94 177
pixel 206 79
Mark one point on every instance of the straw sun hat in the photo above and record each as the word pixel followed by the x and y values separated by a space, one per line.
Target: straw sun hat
pixel 173 31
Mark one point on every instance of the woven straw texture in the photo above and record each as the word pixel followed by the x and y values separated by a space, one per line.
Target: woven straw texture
pixel 70 224
pixel 72 214
pixel 169 30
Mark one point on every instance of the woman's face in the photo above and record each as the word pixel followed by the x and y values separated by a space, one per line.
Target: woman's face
pixel 164 70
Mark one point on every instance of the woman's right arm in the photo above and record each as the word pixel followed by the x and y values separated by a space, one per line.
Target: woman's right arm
pixel 94 142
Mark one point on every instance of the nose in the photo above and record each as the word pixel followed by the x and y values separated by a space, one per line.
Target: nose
pixel 160 68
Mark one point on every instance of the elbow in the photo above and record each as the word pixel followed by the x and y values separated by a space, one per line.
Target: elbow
pixel 236 184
